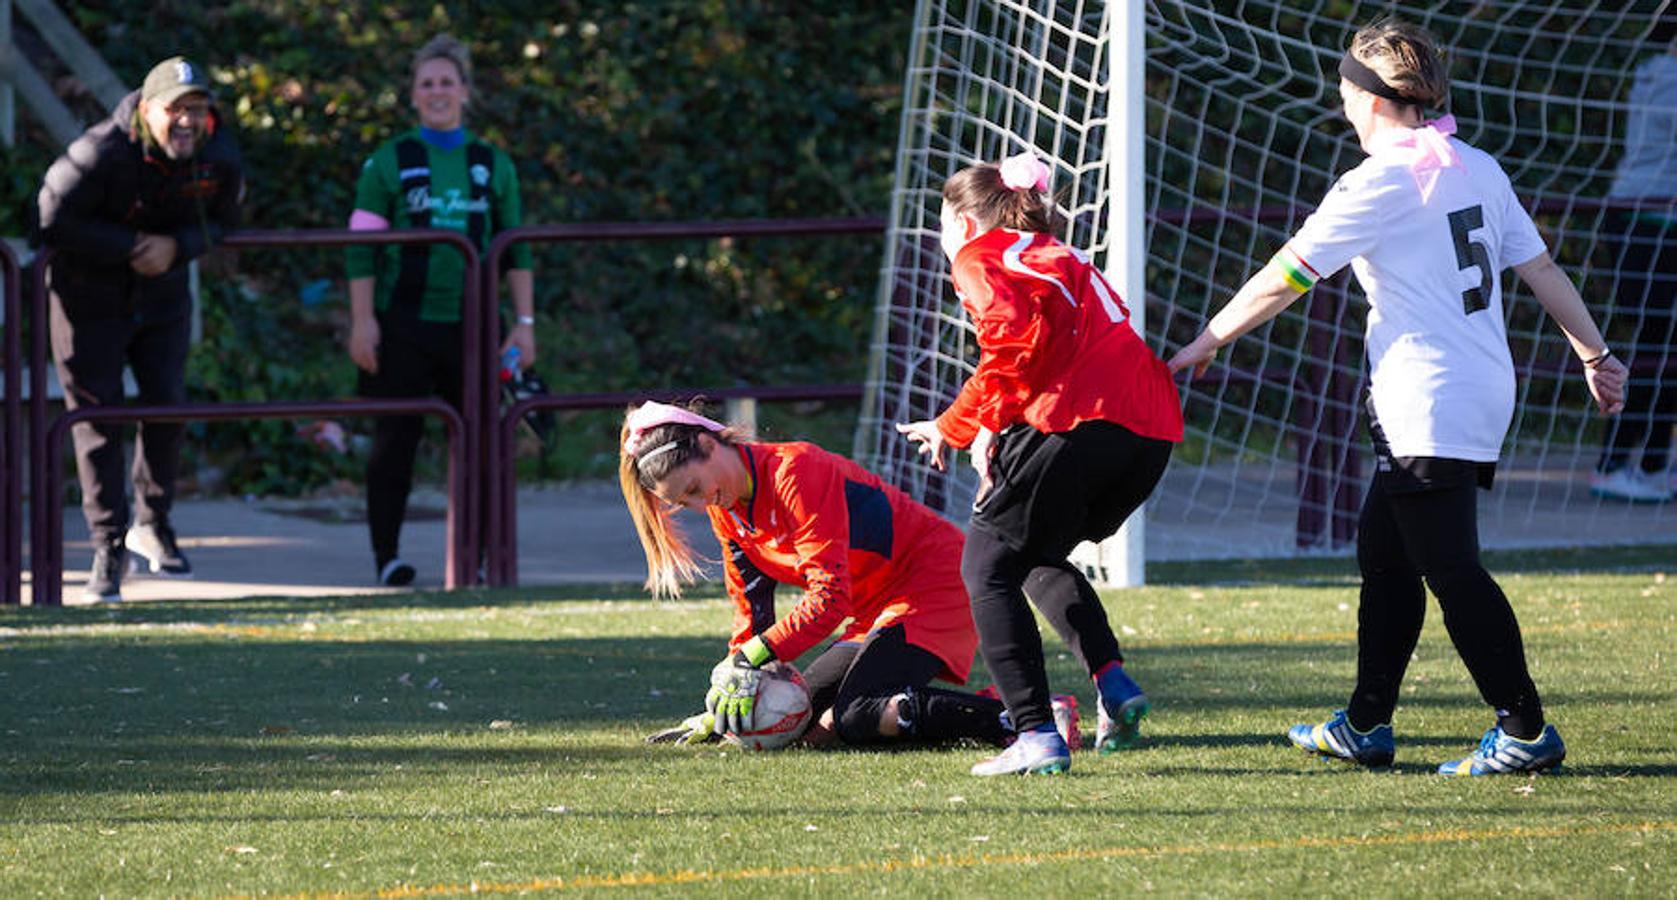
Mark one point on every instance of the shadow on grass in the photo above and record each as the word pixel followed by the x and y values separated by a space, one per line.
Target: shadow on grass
pixel 211 612
pixel 124 709
pixel 1651 557
pixel 770 817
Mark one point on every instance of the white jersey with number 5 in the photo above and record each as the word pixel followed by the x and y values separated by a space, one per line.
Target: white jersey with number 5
pixel 1441 376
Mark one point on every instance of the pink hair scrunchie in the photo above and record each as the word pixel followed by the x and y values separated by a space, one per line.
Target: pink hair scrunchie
pixel 1023 171
pixel 651 414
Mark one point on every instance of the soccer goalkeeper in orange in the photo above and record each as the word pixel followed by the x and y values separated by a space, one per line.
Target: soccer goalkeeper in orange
pixel 866 557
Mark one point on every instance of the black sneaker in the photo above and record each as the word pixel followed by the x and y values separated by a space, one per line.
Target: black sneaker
pixel 395 573
pixel 155 544
pixel 104 580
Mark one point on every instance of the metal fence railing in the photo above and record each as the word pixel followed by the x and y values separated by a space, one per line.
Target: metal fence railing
pixel 500 557
pixel 11 431
pixel 46 439
pixel 482 496
pixel 48 560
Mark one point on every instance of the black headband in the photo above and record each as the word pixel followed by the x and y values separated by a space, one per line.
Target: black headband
pixel 1351 69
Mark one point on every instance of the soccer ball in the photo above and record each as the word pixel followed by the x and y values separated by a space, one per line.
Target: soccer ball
pixel 782 709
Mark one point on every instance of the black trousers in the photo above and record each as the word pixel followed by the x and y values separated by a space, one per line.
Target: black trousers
pixel 1051 491
pixel 1644 258
pixel 1418 534
pixel 415 359
pixel 89 353
pixel 858 679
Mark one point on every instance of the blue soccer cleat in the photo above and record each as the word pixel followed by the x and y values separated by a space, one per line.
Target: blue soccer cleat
pixel 1034 753
pixel 1336 738
pixel 1500 753
pixel 1121 730
pixel 1122 707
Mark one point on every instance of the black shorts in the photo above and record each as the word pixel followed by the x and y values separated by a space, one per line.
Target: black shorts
pixel 1053 491
pixel 1416 474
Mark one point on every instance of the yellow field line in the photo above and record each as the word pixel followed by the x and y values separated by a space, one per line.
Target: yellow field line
pixel 950 861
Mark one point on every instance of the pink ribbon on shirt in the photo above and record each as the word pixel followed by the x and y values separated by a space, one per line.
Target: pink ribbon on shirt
pixel 1428 150
pixel 651 414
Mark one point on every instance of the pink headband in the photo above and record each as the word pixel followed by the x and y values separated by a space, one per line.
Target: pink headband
pixel 650 415
pixel 1024 171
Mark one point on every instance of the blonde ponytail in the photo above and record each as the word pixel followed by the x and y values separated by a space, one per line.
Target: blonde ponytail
pixel 669 559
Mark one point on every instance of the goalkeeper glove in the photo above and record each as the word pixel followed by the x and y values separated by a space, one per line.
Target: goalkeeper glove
pixel 733 686
pixel 699 728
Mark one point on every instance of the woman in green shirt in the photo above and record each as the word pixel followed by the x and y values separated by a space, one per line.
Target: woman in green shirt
pixel 405 300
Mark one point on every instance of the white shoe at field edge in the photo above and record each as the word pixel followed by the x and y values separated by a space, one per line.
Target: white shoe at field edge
pixel 1631 484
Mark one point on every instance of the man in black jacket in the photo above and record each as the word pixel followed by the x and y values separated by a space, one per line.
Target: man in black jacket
pixel 128 205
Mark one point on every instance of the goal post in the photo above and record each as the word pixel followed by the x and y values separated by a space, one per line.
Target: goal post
pixel 1121 560
pixel 986 79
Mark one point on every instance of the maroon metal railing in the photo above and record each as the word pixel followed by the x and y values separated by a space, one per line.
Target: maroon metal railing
pixel 503 534
pixel 11 431
pixel 498 487
pixel 482 513
pixel 46 562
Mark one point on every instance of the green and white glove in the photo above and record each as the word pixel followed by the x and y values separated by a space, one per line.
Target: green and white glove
pixel 699 728
pixel 733 686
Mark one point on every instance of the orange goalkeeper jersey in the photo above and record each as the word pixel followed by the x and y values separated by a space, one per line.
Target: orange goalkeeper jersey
pixel 865 554
pixel 1055 345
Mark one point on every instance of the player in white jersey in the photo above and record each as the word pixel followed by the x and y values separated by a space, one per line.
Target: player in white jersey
pixel 1427 224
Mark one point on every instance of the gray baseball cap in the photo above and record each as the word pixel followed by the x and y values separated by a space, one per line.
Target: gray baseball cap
pixel 174 78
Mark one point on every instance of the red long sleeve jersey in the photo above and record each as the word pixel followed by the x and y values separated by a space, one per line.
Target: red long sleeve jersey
pixel 1055 345
pixel 860 549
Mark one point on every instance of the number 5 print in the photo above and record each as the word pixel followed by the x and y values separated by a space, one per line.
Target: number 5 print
pixel 1470 252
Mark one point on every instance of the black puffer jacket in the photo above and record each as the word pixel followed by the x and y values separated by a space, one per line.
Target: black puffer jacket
pixel 106 188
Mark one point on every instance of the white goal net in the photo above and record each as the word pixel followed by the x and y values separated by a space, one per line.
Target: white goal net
pixel 1242 136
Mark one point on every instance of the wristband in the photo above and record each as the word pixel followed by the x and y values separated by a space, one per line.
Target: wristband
pixel 757 651
pixel 526 320
pixel 1597 360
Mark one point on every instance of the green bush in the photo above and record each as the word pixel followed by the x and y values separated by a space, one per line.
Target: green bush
pixel 692 110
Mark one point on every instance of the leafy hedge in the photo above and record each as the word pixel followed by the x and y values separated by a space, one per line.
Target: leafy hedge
pixel 693 109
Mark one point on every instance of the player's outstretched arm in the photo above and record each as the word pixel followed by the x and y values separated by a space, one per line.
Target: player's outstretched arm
pixel 1262 298
pixel 1605 375
pixel 699 728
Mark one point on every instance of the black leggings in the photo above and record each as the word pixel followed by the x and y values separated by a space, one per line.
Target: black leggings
pixel 1052 490
pixel 415 359
pixel 1407 541
pixel 857 681
pixel 1008 636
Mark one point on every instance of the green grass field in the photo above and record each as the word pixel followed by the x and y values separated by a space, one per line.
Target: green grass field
pixel 430 744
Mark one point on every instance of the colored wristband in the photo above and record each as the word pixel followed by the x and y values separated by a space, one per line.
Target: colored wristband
pixel 1598 359
pixel 757 651
pixel 526 320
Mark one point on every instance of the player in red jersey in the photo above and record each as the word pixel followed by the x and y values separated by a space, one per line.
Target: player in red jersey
pixel 869 560
pixel 1071 419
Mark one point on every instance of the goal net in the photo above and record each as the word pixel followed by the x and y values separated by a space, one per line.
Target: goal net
pixel 1242 136
pixel 986 79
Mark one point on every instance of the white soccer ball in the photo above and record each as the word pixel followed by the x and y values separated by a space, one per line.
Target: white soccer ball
pixel 782 709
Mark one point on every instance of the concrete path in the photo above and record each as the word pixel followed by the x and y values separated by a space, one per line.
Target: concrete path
pixel 569 534
pixel 580 533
